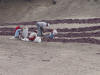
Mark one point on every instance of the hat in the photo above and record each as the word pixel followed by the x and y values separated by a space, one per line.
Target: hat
pixel 55 32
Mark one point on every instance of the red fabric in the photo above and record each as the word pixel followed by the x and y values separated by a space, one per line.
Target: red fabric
pixel 18 27
pixel 32 38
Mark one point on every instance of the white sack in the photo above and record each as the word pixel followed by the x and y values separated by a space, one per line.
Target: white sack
pixel 37 39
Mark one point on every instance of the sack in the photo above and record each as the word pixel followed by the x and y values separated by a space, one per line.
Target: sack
pixel 25 39
pixel 37 39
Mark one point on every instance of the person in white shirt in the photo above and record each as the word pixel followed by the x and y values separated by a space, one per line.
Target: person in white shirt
pixel 40 27
pixel 25 33
pixel 33 37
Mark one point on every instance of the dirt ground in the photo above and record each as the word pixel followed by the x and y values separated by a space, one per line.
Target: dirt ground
pixel 28 58
pixel 49 58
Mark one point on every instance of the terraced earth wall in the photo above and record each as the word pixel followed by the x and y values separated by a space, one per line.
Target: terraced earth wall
pixel 65 35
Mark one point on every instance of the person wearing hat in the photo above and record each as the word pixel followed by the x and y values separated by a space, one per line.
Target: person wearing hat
pixel 40 27
pixel 18 31
pixel 52 34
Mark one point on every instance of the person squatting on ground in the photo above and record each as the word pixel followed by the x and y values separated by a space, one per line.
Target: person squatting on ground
pixel 40 27
pixel 33 37
pixel 17 32
pixel 51 35
pixel 21 32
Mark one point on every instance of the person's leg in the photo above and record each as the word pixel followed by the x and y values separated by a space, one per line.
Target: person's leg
pixel 51 36
pixel 17 33
pixel 42 30
pixel 39 32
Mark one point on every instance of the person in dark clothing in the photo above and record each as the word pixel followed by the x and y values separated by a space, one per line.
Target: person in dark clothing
pixel 40 27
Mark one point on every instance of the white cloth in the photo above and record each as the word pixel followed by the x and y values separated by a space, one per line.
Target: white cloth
pixel 12 37
pixel 55 32
pixel 42 24
pixel 38 39
pixel 25 39
pixel 32 34
pixel 25 32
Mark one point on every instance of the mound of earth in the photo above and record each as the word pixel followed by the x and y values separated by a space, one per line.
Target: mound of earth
pixel 30 10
